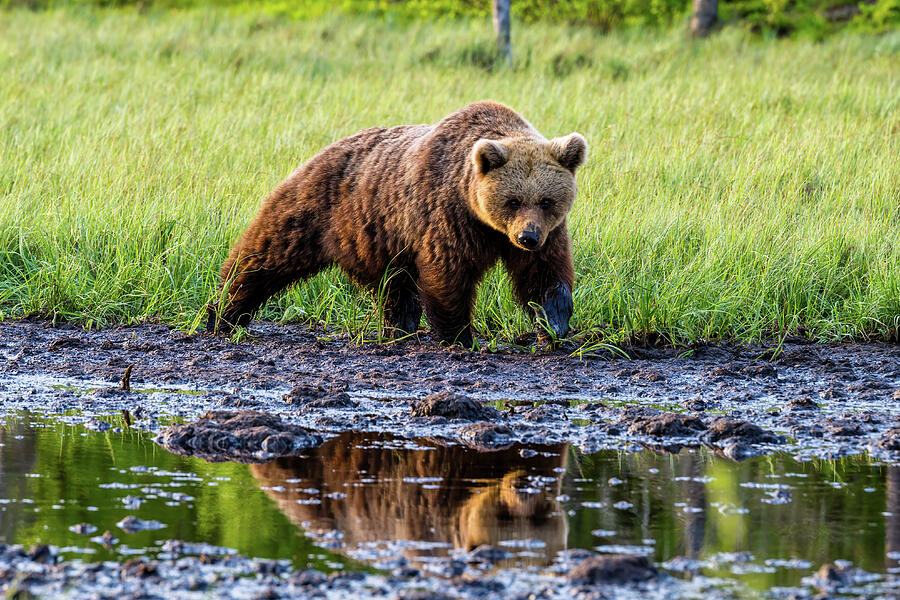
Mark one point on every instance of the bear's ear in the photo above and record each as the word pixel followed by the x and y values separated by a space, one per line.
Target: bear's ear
pixel 489 155
pixel 569 151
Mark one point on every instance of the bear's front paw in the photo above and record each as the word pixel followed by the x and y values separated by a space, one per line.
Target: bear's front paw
pixel 212 317
pixel 215 323
pixel 557 310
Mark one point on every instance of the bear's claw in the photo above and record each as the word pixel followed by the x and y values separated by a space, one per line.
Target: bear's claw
pixel 558 307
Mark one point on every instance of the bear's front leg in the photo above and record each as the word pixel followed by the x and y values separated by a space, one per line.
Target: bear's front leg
pixel 558 307
pixel 402 308
pixel 447 295
pixel 545 277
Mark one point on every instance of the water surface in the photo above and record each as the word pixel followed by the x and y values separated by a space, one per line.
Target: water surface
pixel 374 501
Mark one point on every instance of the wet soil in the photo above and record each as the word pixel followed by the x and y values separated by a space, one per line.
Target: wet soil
pixel 287 392
pixel 237 436
pixel 288 356
pixel 818 400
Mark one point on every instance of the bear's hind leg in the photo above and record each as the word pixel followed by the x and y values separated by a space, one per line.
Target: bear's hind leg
pixel 402 308
pixel 243 289
pixel 260 265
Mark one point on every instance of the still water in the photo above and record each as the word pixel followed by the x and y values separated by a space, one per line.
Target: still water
pixel 366 501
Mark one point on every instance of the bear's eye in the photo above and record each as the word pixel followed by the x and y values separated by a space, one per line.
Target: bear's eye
pixel 514 204
pixel 546 203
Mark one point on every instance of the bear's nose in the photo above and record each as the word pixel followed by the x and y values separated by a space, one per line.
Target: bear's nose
pixel 528 239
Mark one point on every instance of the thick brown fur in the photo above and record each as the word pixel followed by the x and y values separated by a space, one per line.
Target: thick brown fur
pixel 438 205
pixel 398 507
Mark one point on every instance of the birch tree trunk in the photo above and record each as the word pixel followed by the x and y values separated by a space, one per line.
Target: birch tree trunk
pixel 501 28
pixel 706 14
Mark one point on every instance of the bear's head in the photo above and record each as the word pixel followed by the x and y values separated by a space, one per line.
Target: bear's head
pixel 525 186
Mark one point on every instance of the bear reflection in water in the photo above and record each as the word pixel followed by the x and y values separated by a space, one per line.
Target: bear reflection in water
pixel 452 495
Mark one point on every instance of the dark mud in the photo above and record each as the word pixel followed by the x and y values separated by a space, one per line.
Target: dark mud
pixel 237 436
pixel 613 568
pixel 221 574
pixel 453 406
pixel 286 391
pixel 818 400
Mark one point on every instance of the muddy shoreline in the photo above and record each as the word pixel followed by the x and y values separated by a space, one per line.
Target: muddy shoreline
pixel 823 400
pixel 283 356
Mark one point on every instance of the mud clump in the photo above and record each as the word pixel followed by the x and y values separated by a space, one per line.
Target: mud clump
pixel 65 342
pixel 759 370
pixel 667 425
pixel 485 437
pixel 241 436
pixel 838 428
pixel 132 524
pixel 308 578
pixel 543 413
pixel 453 406
pixel 802 404
pixel 697 404
pixel 235 401
pixel 312 397
pixel 811 431
pixel 613 569
pixel 489 554
pixel 890 440
pixel 738 451
pixel 725 431
pixel 43 554
pixel 139 568
pixel 831 577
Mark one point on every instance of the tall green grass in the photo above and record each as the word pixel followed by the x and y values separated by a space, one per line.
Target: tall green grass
pixel 736 188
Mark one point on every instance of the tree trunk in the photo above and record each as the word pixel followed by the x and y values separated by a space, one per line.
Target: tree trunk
pixel 501 28
pixel 706 14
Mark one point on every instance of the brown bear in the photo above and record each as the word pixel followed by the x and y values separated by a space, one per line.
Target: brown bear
pixel 438 205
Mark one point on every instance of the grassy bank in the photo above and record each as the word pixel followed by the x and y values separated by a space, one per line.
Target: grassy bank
pixel 735 187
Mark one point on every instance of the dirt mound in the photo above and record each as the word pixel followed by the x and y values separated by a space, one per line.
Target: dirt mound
pixel 725 431
pixel 242 436
pixel 453 406
pixel 843 428
pixel 132 524
pixel 890 440
pixel 831 577
pixel 488 554
pixel 486 436
pixel 666 424
pixel 613 569
pixel 802 404
pixel 310 397
pixel 697 404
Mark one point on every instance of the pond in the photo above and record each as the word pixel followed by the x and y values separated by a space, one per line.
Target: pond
pixel 376 502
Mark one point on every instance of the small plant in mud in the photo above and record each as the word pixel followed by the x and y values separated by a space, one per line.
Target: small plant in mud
pixel 239 334
pixel 375 323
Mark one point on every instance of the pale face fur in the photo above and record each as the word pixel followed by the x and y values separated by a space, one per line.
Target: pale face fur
pixel 526 185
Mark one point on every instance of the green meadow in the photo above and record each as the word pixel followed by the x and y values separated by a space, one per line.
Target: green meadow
pixel 737 187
